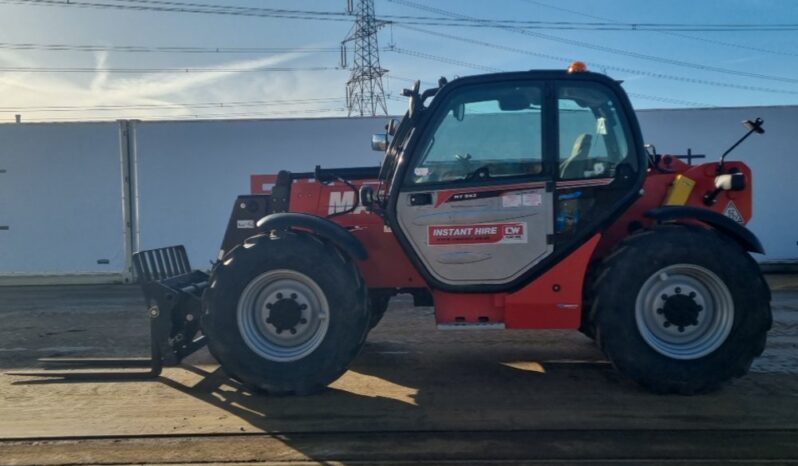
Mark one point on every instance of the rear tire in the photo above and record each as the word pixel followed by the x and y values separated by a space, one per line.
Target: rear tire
pixel 285 314
pixel 681 309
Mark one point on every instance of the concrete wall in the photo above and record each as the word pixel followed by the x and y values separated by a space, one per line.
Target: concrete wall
pixel 62 193
pixel 189 173
pixel 61 199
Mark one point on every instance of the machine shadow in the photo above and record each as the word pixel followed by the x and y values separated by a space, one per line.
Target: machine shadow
pixel 411 378
pixel 391 386
pixel 396 389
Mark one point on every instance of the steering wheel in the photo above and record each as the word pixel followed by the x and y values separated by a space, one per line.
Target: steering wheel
pixel 453 171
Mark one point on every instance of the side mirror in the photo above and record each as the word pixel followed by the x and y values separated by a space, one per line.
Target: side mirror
pixel 379 142
pixel 459 112
pixel 755 126
pixel 366 195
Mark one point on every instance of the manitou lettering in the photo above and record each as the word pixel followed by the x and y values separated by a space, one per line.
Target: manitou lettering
pixel 343 201
pixel 494 233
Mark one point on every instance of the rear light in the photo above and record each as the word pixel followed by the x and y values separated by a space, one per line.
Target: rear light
pixel 730 182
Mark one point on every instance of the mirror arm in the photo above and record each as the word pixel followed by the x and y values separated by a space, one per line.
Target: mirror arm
pixel 754 127
pixel 369 199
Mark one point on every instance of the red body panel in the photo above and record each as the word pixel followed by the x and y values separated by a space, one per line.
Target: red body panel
pixel 553 300
pixel 387 266
pixel 656 190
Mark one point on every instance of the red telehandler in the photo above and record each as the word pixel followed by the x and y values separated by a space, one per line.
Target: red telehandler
pixel 522 200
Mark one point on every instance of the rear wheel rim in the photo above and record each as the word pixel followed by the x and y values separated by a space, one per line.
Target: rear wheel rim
pixel 684 311
pixel 283 315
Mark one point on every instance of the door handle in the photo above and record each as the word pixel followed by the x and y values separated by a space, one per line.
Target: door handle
pixel 421 199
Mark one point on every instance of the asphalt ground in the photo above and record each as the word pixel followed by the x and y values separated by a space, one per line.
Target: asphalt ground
pixel 413 395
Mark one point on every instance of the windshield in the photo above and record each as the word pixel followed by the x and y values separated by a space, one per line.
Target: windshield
pixel 486 131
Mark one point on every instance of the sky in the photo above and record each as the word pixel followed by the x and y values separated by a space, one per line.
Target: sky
pixel 295 71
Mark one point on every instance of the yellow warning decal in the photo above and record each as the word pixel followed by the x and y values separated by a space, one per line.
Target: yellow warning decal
pixel 680 191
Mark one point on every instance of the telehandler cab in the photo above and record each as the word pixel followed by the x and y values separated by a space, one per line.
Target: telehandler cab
pixel 523 200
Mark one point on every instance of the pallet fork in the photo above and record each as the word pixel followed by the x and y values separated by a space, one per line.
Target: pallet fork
pixel 173 292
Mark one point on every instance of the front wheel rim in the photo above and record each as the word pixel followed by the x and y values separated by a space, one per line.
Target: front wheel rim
pixel 283 315
pixel 684 311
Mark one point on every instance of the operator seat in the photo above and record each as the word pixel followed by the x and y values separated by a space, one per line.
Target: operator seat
pixel 569 169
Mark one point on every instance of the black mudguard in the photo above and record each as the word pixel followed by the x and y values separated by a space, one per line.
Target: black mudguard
pixel 247 210
pixel 720 222
pixel 321 226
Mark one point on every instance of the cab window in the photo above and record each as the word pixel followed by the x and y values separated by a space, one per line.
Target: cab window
pixel 490 131
pixel 593 137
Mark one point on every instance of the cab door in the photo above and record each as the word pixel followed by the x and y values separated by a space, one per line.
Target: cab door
pixel 476 201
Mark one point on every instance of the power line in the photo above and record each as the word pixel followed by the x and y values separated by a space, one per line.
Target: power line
pixel 410 80
pixel 162 49
pixel 633 26
pixel 236 104
pixel 668 100
pixel 450 61
pixel 30 69
pixel 612 50
pixel 244 9
pixel 491 69
pixel 184 7
pixel 205 8
pixel 670 33
pixel 472 22
pixel 201 116
pixel 651 74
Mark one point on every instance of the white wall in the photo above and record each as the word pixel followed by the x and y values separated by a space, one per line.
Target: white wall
pixel 773 158
pixel 189 173
pixel 62 194
pixel 61 197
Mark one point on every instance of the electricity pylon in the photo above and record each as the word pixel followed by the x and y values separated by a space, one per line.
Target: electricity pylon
pixel 365 95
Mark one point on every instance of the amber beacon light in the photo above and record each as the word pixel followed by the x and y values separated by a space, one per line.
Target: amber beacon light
pixel 577 66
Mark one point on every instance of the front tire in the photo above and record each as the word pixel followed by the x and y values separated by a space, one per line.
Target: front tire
pixel 681 309
pixel 378 304
pixel 285 314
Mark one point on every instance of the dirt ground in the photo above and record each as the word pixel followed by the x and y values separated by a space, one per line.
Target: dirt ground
pixel 415 394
